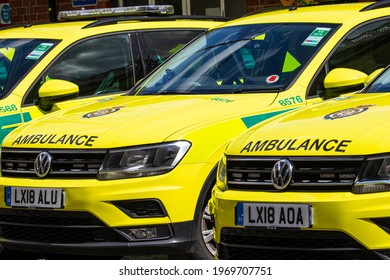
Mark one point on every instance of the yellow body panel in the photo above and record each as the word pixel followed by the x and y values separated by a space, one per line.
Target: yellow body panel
pixel 343 212
pixel 350 127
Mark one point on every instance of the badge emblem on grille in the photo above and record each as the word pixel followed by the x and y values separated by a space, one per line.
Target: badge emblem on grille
pixel 42 164
pixel 281 174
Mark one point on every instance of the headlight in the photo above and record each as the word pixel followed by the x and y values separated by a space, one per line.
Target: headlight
pixel 142 161
pixel 221 174
pixel 375 176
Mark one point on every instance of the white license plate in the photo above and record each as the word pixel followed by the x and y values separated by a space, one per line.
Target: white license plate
pixel 274 215
pixel 34 197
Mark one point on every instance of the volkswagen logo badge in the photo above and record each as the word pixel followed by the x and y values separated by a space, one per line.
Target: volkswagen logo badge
pixel 42 164
pixel 281 174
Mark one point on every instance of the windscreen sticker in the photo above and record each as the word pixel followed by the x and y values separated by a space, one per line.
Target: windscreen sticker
pixel 348 112
pixel 260 37
pixel 102 112
pixel 290 63
pixel 248 58
pixel 39 51
pixel 54 139
pixel 316 36
pixel 8 53
pixel 325 145
pixel 272 79
pixel 175 49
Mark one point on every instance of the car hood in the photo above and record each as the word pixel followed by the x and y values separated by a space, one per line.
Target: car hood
pixel 351 125
pixel 133 120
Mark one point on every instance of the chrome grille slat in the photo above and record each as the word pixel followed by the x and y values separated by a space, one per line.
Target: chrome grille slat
pixel 265 244
pixel 47 226
pixel 294 184
pixel 66 163
pixel 310 173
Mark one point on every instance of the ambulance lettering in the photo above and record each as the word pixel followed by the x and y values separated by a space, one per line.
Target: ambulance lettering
pixel 54 139
pixel 326 145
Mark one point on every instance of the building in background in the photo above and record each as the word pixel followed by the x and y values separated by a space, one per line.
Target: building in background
pixel 39 11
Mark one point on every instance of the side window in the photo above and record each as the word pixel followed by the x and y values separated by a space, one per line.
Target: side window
pixel 364 49
pixel 98 66
pixel 159 45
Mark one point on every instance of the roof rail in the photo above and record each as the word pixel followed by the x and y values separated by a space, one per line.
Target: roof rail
pixel 377 5
pixel 294 7
pixel 115 20
pixel 24 25
pixel 9 26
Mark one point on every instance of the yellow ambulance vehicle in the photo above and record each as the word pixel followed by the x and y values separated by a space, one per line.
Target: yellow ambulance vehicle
pixel 312 184
pixel 90 54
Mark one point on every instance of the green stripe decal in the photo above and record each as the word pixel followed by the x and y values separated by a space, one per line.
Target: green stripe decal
pixel 253 120
pixel 9 120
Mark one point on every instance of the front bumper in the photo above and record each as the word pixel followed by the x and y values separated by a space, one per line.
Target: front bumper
pixel 345 226
pixel 98 217
pixel 79 233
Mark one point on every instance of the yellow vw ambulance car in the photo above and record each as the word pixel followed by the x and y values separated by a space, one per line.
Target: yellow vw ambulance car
pixel 47 67
pixel 312 184
pixel 133 174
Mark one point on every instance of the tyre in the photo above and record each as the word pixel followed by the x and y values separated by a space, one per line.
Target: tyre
pixel 205 248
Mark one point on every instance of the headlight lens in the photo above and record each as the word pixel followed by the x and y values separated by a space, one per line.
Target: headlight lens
pixel 375 176
pixel 142 161
pixel 221 174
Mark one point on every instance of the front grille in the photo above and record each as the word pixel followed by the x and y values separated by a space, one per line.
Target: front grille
pixel 263 244
pixel 45 226
pixel 65 164
pixel 309 173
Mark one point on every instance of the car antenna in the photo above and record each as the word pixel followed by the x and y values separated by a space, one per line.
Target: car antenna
pixel 294 7
pixel 29 15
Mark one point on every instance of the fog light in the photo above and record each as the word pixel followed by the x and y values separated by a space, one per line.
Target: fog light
pixel 142 233
pixel 147 233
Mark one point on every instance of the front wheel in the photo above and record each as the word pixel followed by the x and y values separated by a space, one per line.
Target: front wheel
pixel 205 248
pixel 207 231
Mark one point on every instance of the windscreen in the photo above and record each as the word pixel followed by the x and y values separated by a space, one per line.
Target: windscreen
pixel 17 58
pixel 380 84
pixel 246 58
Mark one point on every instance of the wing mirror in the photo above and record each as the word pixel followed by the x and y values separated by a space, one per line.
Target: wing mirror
pixel 54 90
pixel 343 80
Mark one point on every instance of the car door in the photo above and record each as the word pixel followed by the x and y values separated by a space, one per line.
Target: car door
pixel 364 49
pixel 99 66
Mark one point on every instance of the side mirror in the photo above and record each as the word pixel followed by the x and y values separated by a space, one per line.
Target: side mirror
pixel 53 91
pixel 343 80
